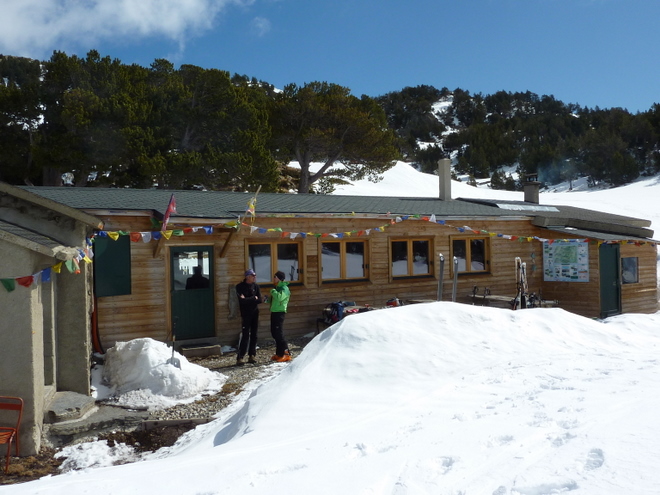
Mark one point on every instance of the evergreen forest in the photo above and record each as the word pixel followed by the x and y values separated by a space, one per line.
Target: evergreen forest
pixel 95 121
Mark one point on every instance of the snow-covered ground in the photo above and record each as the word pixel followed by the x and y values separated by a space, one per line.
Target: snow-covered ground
pixel 439 398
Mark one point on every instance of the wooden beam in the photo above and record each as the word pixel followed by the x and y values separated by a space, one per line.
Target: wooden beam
pixel 223 251
pixel 159 246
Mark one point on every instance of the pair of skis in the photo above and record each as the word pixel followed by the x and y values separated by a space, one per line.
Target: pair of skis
pixel 521 300
pixel 441 278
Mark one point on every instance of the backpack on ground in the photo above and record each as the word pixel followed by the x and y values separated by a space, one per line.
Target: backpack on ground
pixel 333 312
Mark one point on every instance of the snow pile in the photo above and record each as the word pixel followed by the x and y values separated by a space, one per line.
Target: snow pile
pixel 92 455
pixel 439 398
pixel 138 374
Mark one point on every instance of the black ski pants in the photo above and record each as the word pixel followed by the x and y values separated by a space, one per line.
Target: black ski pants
pixel 277 331
pixel 249 328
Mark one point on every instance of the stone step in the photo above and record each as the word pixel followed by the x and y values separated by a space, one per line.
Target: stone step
pixel 68 406
pixel 100 419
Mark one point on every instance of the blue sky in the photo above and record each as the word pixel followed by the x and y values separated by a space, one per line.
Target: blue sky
pixel 592 52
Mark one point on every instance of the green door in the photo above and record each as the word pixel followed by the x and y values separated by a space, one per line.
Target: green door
pixel 610 286
pixel 191 288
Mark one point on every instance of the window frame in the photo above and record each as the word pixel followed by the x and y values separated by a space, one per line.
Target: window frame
pixel 343 261
pixel 467 239
pixel 410 273
pixel 274 243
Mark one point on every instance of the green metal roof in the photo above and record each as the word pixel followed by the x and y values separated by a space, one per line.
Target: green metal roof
pixel 229 205
pixel 223 204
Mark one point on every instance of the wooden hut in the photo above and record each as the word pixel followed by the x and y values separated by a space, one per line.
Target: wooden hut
pixel 348 248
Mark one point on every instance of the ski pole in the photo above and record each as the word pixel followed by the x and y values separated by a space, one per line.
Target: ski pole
pixel 441 277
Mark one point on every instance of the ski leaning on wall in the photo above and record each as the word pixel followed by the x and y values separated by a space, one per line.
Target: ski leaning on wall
pixel 455 283
pixel 441 276
pixel 520 302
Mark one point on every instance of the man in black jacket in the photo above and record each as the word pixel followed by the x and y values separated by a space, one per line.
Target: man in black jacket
pixel 249 298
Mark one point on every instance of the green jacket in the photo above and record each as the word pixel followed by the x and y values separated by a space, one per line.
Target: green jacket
pixel 279 297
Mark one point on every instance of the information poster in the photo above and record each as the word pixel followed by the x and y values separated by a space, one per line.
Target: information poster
pixel 566 261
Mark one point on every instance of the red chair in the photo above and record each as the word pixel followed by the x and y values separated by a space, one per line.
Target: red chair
pixel 9 434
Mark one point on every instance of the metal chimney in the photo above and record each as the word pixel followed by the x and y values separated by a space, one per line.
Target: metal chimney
pixel 444 174
pixel 531 188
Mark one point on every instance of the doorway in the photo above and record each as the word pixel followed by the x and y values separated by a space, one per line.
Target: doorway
pixel 191 289
pixel 610 281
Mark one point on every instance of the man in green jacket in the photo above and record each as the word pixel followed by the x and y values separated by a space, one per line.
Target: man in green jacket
pixel 279 300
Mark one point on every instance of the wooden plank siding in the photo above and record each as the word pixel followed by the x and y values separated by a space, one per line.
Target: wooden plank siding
pixel 146 311
pixel 639 297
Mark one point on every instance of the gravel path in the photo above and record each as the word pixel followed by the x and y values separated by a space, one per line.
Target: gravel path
pixel 237 378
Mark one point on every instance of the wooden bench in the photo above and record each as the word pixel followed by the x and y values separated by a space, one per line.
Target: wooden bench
pixel 486 298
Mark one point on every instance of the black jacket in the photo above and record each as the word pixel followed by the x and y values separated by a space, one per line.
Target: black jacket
pixel 249 304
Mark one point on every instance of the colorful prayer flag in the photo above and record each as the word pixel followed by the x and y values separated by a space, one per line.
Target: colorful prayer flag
pixel 8 283
pixel 171 208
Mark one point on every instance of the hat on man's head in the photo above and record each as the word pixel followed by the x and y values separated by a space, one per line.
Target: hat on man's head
pixel 250 272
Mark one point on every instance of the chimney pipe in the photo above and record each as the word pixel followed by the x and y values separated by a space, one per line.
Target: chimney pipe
pixel 444 174
pixel 531 189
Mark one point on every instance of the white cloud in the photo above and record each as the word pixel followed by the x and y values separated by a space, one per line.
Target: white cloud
pixel 260 26
pixel 33 28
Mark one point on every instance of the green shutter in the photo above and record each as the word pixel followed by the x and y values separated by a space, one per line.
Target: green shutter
pixel 112 266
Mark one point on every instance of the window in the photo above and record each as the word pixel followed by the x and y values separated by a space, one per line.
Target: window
pixel 411 257
pixel 269 257
pixel 629 272
pixel 343 260
pixel 472 254
pixel 112 266
pixel 191 267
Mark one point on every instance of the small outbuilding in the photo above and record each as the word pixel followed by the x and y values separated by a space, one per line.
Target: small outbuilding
pixel 45 304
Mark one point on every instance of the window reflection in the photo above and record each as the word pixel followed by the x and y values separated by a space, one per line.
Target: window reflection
pixel 355 260
pixel 410 257
pixel 331 260
pixel 260 259
pixel 399 258
pixel 186 263
pixel 420 257
pixel 460 253
pixel 343 260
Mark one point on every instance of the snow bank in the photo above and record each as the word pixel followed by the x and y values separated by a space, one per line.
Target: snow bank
pixel 138 374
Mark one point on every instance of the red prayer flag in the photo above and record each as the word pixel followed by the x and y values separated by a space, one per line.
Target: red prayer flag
pixel 171 208
pixel 25 281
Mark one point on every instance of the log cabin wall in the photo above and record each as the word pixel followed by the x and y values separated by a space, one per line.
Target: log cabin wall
pixel 146 311
pixel 641 297
pixel 142 313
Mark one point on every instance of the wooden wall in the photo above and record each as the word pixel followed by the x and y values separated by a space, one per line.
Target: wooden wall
pixel 641 297
pixel 146 311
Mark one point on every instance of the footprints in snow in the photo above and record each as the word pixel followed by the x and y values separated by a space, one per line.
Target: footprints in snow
pixel 595 459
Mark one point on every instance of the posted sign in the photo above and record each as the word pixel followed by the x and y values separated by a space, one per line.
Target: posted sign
pixel 565 261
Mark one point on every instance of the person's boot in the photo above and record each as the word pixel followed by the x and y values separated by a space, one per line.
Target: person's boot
pixel 239 361
pixel 283 359
pixel 252 359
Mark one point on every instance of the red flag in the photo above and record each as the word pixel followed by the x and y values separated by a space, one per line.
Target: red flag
pixel 25 281
pixel 171 208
